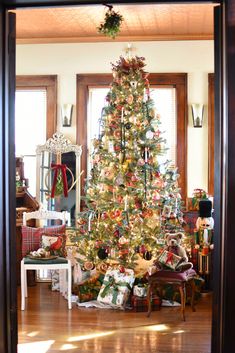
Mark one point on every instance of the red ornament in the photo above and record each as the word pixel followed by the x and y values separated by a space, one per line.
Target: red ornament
pixel 117 148
pixel 122 269
pixel 119 107
pixel 116 233
pixel 117 213
pixel 142 249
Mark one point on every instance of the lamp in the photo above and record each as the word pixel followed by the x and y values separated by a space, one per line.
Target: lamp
pixel 197 114
pixel 66 114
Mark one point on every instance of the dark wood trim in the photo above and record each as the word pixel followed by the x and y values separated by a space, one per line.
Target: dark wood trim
pixel 177 80
pixel 10 172
pixel 228 178
pixel 8 289
pixel 39 3
pixel 3 311
pixel 48 82
pixel 220 150
pixel 224 254
pixel 211 133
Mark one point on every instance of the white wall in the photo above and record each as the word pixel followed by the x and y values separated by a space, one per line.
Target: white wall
pixel 67 60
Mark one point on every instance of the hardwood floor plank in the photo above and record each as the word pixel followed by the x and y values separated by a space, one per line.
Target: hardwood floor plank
pixel 47 326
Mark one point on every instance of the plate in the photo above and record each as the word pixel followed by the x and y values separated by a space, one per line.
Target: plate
pixel 42 258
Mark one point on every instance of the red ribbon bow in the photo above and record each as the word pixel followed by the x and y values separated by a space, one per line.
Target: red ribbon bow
pixel 56 168
pixel 169 258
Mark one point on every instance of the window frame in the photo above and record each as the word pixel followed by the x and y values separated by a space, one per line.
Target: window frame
pixel 49 83
pixel 177 80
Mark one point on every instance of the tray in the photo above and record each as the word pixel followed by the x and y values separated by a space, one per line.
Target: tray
pixel 52 257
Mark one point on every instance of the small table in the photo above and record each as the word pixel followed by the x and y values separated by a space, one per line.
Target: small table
pixel 177 279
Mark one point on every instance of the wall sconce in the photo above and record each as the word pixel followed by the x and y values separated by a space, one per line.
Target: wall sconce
pixel 197 114
pixel 66 114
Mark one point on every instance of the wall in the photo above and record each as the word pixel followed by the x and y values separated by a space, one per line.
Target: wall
pixel 67 60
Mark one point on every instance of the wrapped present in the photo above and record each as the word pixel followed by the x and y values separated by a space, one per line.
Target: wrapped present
pixel 169 259
pixel 141 304
pixel 89 289
pixel 140 290
pixel 116 287
pixel 192 203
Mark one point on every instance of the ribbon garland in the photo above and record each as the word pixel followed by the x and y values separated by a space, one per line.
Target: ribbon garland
pixel 111 285
pixel 57 168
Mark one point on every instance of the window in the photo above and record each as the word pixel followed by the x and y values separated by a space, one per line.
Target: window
pixel 170 88
pixel 35 119
pixel 165 104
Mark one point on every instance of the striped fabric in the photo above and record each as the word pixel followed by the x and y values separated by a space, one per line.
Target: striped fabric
pixel 31 237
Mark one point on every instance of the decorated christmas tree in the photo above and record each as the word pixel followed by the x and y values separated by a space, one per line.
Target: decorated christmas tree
pixel 132 199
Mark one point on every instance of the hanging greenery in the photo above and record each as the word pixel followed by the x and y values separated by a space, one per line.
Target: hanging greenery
pixel 112 23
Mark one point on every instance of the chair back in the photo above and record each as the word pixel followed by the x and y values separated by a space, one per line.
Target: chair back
pixel 42 214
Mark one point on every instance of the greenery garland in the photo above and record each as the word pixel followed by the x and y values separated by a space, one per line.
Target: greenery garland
pixel 112 23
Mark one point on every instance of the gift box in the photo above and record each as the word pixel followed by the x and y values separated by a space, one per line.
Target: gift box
pixel 139 304
pixel 89 289
pixel 116 287
pixel 169 259
pixel 140 290
pixel 192 204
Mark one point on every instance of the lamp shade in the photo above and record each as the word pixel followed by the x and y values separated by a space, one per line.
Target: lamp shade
pixel 66 114
pixel 197 114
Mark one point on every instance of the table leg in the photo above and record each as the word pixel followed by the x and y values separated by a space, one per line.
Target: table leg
pixel 149 297
pixel 69 286
pixel 192 284
pixel 22 271
pixel 182 297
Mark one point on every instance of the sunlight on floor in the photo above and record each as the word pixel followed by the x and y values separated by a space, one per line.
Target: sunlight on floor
pixel 90 336
pixel 33 334
pixel 65 347
pixel 160 327
pixel 179 331
pixel 39 347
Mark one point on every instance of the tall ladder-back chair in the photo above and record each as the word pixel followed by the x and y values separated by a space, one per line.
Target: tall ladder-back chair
pixel 59 263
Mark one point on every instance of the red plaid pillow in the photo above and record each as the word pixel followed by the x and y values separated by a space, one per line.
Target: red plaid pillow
pixel 31 237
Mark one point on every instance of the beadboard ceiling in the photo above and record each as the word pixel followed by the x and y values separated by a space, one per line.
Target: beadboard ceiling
pixel 141 22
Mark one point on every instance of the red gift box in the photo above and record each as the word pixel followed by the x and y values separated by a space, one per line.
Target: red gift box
pixel 140 304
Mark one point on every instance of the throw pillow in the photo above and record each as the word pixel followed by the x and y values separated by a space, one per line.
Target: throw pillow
pixel 55 244
pixel 31 237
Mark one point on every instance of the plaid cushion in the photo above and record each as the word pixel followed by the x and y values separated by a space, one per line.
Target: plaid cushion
pixel 31 237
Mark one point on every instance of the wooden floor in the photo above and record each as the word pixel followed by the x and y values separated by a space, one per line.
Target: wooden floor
pixel 47 326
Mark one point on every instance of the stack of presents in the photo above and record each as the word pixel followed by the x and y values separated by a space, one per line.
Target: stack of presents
pixel 121 288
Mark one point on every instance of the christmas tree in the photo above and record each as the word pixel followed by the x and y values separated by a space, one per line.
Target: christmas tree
pixel 132 199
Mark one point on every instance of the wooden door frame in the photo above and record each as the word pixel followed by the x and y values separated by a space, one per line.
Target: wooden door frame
pixel 223 303
pixel 211 133
pixel 49 83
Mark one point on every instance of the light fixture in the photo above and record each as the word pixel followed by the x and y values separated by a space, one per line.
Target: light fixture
pixel 66 114
pixel 197 114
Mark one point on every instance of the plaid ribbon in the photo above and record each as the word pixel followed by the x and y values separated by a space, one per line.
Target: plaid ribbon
pixel 62 168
